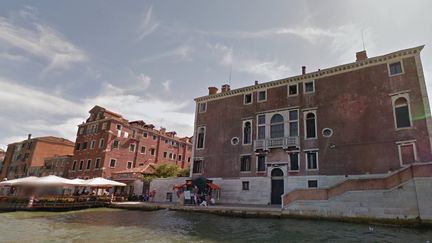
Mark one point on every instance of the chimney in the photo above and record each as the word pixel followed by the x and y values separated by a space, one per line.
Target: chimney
pixel 29 136
pixel 361 55
pixel 225 88
pixel 256 82
pixel 162 130
pixel 303 70
pixel 212 90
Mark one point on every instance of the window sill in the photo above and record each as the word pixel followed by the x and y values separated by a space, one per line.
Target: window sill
pixel 404 128
pixel 312 169
pixel 311 138
pixel 397 74
pixel 294 171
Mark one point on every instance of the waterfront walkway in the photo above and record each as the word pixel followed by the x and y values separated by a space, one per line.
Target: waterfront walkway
pixel 245 210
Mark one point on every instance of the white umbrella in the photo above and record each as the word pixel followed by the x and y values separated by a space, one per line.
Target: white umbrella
pixel 53 180
pixel 26 180
pixel 79 182
pixel 102 182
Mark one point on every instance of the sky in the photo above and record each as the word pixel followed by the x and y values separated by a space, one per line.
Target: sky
pixel 148 60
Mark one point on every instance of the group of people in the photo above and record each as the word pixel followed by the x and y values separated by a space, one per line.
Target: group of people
pixel 194 197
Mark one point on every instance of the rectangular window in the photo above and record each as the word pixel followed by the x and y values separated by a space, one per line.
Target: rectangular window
pixel 81 165
pixel 81 130
pixel 261 127
pixel 170 155
pixel 245 163
pixel 312 183
pixel 202 107
pixel 247 99
pixel 92 144
pixel 77 146
pixel 262 95
pixel 407 153
pixel 113 163
pixel 197 166
pixel 97 165
pixel 293 123
pixel 245 185
pixel 84 145
pixel 74 165
pixel 309 87
pixel 154 137
pixel 395 68
pixel 292 90
pixel 179 157
pixel 119 127
pixel 152 151
pixel 145 135
pixel 189 159
pixel 132 147
pixel 294 162
pixel 88 164
pixel 115 144
pixel 129 164
pixel 133 133
pixel 143 149
pixel 101 143
pixel 104 126
pixel 126 135
pixel 165 154
pixel 261 159
pixel 402 117
pixel 174 156
pixel 312 160
pixel 200 137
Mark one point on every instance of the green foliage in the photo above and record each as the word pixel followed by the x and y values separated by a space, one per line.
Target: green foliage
pixel 184 172
pixel 166 170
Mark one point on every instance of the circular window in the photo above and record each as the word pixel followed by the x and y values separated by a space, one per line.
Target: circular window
pixel 327 132
pixel 235 140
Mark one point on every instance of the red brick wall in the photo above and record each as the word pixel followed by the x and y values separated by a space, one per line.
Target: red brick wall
pixel 355 104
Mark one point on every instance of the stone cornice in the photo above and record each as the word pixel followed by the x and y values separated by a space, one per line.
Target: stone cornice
pixel 318 74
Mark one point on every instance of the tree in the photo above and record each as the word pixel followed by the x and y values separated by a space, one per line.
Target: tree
pixel 184 172
pixel 166 170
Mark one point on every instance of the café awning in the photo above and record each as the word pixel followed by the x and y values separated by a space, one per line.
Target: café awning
pixel 17 181
pixel 102 182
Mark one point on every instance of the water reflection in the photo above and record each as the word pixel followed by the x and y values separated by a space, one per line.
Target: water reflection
pixel 107 225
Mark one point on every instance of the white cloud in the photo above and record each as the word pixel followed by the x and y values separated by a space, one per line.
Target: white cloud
pixel 17 97
pixel 182 52
pixel 267 69
pixel 12 57
pixel 148 24
pixel 29 110
pixel 41 41
pixel 167 85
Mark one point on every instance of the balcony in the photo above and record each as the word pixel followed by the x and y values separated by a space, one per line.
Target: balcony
pixel 269 143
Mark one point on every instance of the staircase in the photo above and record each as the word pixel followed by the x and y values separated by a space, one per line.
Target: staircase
pixel 385 183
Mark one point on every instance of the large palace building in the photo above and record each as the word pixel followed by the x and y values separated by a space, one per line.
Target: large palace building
pixel 107 143
pixel 366 118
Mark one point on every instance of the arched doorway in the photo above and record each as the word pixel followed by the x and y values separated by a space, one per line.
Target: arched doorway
pixel 277 186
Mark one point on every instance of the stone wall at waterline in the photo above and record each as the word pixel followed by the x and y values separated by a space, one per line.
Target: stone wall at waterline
pixel 409 200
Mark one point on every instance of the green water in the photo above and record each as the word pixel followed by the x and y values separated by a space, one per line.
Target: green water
pixel 108 225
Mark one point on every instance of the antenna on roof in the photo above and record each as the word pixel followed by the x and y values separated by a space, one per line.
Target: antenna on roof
pixel 364 48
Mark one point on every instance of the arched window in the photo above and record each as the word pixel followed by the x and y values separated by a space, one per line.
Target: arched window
pixel 200 137
pixel 247 133
pixel 277 126
pixel 277 172
pixel 310 125
pixel 402 115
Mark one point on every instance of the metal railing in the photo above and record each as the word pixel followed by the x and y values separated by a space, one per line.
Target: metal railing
pixel 283 142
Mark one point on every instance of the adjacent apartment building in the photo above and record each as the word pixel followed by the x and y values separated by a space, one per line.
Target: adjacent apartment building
pixel 365 118
pixel 25 158
pixel 108 143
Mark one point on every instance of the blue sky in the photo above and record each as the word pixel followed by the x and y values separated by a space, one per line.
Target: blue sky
pixel 148 59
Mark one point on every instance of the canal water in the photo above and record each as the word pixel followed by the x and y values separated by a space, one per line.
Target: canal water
pixel 111 225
